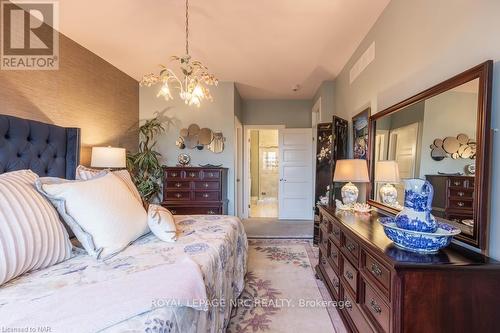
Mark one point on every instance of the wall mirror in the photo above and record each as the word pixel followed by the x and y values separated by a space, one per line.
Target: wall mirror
pixel 442 135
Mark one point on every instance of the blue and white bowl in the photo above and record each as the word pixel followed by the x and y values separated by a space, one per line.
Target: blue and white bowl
pixel 417 241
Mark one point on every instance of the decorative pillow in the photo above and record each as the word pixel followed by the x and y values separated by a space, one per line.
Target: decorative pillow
pixel 102 212
pixel 84 173
pixel 161 222
pixel 31 235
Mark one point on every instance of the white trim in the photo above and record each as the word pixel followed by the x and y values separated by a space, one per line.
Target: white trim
pixel 238 167
pixel 315 109
pixel 246 162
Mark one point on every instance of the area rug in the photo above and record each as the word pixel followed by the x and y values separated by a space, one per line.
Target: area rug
pixel 281 292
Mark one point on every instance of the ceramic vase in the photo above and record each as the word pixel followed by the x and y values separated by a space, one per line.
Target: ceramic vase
pixel 416 214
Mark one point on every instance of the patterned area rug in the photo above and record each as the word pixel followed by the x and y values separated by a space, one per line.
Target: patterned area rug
pixel 281 292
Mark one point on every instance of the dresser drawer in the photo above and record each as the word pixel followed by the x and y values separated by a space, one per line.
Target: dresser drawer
pixel 326 224
pixel 189 210
pixel 460 203
pixel 323 237
pixel 350 275
pixel 334 255
pixel 211 174
pixel 461 193
pixel 351 247
pixel 177 195
pixel 174 174
pixel 206 196
pixel 377 308
pixel 458 182
pixel 357 320
pixel 377 272
pixel 207 185
pixel 336 233
pixel 330 275
pixel 192 174
pixel 182 185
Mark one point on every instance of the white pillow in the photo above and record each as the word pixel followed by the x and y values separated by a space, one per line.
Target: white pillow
pixel 161 222
pixel 102 212
pixel 84 173
pixel 31 235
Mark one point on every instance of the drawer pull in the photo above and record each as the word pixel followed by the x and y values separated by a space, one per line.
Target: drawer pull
pixel 334 254
pixel 192 174
pixel 173 174
pixel 336 232
pixel 178 185
pixel 205 195
pixel 460 194
pixel 210 174
pixel 375 307
pixel 376 270
pixel 336 285
pixel 323 261
pixel 178 195
pixel 456 183
pixel 351 247
pixel 173 211
pixel 460 204
pixel 211 212
pixel 206 185
pixel 349 275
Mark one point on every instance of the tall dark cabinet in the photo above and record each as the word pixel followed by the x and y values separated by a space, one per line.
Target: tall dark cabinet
pixel 331 145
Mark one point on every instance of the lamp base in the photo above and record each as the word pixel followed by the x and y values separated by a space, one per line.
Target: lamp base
pixel 388 195
pixel 349 194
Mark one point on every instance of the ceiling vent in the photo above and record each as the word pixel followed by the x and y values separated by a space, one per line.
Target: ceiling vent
pixel 363 62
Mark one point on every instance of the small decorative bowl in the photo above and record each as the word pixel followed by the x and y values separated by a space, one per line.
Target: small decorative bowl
pixel 417 241
pixel 361 207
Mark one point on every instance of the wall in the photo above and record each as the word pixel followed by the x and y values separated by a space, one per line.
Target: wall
pixel 217 115
pixel 419 44
pixel 326 92
pixel 85 92
pixel 447 114
pixel 291 113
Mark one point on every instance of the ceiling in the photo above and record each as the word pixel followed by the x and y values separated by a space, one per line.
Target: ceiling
pixel 266 47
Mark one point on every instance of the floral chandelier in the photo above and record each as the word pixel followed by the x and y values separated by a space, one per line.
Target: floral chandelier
pixel 192 86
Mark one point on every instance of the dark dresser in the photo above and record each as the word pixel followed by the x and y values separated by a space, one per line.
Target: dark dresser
pixel 453 196
pixel 392 290
pixel 193 190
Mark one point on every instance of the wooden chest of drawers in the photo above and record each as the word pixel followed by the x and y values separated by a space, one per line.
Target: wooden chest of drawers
pixel 195 190
pixel 453 196
pixel 392 290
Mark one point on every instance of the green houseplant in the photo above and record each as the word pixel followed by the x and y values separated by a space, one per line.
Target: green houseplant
pixel 144 166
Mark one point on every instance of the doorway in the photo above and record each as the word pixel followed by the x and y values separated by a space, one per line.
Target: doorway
pixel 264 173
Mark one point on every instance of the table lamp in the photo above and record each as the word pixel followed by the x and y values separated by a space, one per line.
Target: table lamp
pixel 387 172
pixel 351 171
pixel 108 157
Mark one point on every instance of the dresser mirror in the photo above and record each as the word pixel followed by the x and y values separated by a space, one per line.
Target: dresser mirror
pixel 442 135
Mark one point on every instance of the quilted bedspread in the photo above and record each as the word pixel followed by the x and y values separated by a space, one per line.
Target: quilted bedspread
pixel 217 244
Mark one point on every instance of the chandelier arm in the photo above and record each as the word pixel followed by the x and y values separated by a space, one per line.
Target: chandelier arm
pixel 187 27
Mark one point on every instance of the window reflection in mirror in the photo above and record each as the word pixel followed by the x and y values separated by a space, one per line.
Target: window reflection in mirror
pixel 433 139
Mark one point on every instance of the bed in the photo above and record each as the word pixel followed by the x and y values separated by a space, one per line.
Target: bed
pixel 125 292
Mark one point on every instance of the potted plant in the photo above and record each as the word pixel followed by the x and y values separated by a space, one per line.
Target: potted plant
pixel 144 166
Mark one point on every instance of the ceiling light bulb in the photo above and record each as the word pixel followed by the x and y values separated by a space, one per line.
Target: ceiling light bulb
pixel 165 92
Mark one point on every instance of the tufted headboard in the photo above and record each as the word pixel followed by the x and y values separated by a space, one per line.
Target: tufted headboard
pixel 48 150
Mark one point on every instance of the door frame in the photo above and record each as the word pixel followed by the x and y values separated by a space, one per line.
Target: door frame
pixel 238 167
pixel 315 120
pixel 246 163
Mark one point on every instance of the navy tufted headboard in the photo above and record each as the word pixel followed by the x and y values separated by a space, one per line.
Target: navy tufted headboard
pixel 47 150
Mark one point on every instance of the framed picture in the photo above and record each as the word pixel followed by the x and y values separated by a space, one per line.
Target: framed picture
pixel 360 134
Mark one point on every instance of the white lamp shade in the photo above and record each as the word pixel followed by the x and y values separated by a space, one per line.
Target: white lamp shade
pixel 108 157
pixel 387 171
pixel 353 170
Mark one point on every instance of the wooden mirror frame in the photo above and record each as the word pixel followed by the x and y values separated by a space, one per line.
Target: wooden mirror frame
pixel 484 133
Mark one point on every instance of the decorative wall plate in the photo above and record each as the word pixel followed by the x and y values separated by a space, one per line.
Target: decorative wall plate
pixel 183 159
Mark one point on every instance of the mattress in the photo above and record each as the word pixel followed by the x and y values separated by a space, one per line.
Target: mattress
pixel 217 244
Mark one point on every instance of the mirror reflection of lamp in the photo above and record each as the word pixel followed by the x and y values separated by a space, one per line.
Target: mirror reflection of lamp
pixel 387 172
pixel 351 171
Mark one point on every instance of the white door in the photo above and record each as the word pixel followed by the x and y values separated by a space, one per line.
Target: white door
pixel 403 150
pixel 295 164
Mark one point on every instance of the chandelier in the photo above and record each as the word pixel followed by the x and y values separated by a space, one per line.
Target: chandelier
pixel 192 86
